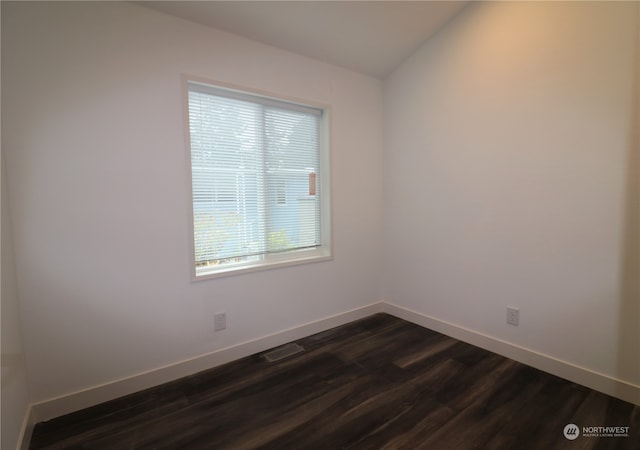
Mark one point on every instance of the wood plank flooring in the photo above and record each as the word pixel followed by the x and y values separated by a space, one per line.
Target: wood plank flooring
pixel 377 383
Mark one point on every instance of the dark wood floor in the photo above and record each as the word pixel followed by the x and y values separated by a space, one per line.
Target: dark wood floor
pixel 378 383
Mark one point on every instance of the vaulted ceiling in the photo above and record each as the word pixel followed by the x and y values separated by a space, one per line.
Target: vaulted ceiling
pixel 370 37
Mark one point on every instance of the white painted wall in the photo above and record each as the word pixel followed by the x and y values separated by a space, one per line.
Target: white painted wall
pixel 14 395
pixel 14 399
pixel 93 122
pixel 510 179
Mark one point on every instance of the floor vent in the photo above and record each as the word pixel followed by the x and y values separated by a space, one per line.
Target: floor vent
pixel 283 352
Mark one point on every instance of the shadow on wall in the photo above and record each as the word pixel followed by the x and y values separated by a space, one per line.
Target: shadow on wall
pixel 629 319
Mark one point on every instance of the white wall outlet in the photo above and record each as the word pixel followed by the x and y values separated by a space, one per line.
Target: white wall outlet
pixel 219 321
pixel 513 315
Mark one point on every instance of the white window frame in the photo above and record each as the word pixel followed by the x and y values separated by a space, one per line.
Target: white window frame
pixel 323 252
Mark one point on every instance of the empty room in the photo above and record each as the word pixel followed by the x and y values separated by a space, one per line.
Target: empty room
pixel 320 225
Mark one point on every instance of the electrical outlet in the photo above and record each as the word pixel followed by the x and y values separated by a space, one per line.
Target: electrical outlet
pixel 513 315
pixel 219 321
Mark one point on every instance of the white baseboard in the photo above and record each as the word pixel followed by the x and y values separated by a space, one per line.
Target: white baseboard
pixel 75 401
pixel 27 430
pixel 580 375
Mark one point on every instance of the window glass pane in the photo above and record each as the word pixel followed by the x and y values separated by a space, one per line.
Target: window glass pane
pixel 227 178
pixel 291 156
pixel 255 183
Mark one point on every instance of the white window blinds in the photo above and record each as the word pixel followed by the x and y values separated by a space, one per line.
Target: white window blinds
pixel 255 166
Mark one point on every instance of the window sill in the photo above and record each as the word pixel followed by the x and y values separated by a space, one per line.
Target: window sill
pixel 271 262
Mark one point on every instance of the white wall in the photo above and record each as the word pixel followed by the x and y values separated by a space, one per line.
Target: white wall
pixel 94 127
pixel 14 399
pixel 509 180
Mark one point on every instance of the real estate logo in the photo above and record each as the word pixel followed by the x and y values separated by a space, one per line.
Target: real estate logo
pixel 571 431
pixel 606 432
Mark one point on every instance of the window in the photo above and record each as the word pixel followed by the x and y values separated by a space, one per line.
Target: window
pixel 259 180
pixel 281 192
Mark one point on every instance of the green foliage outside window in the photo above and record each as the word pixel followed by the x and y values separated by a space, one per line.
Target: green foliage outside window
pixel 279 241
pixel 212 231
